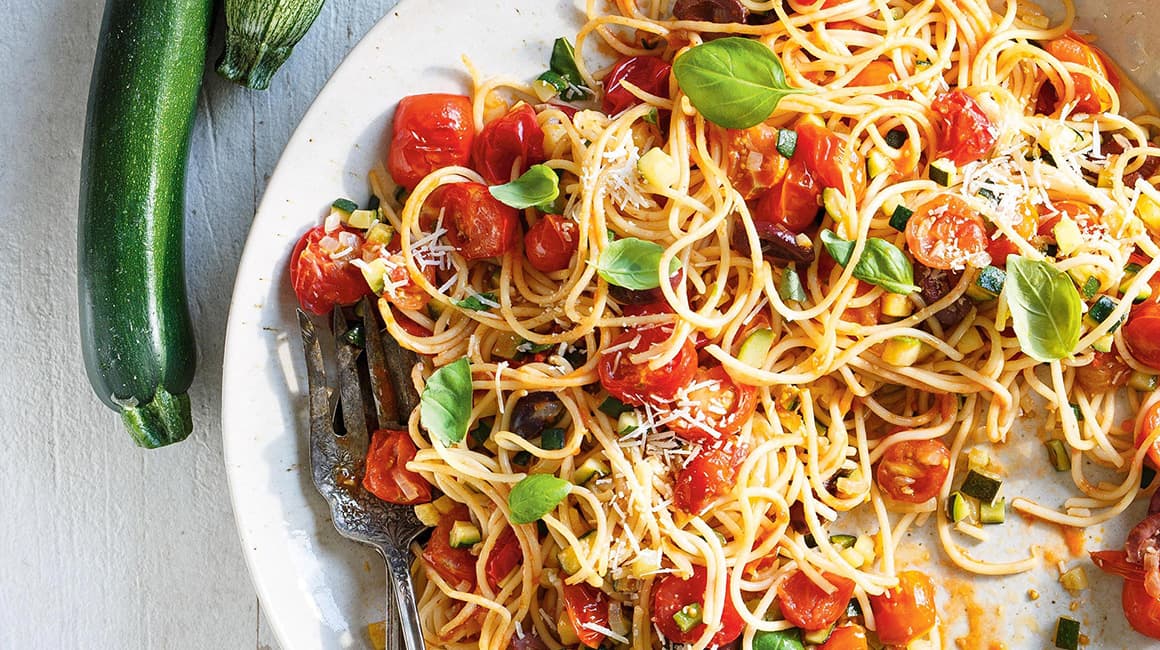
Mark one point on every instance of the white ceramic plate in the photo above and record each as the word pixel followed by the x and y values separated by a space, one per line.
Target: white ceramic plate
pixel 318 590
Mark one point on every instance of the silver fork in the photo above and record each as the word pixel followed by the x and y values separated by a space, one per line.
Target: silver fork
pixel 375 391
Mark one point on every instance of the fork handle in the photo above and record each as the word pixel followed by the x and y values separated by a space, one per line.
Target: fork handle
pixel 401 591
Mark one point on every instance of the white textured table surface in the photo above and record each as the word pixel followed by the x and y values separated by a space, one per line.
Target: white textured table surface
pixel 103 545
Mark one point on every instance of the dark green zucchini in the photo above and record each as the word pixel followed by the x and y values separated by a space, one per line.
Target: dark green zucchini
pixel 135 327
pixel 260 35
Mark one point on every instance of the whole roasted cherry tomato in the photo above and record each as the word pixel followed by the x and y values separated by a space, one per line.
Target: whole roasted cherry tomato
pixel 551 242
pixel 905 612
pixel 505 556
pixel 710 474
pixel 320 281
pixel 793 203
pixel 912 471
pixel 1140 609
pixel 965 132
pixel 649 73
pixel 1106 372
pixel 827 157
pixel 671 594
pixel 506 141
pixel 847 637
pixel 717 406
pixel 386 475
pixel 638 384
pixel 586 605
pixel 429 132
pixel 808 606
pixel 1089 97
pixel 1146 423
pixel 478 225
pixel 752 161
pixel 455 565
pixel 1142 333
pixel 1000 247
pixel 946 233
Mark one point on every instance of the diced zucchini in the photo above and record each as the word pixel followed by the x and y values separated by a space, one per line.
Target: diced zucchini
pixel 1075 580
pixel 756 347
pixel 464 534
pixel 982 487
pixel 988 284
pixel 1057 454
pixel 343 207
pixel 878 163
pixel 978 458
pixel 832 199
pixel 1148 207
pixel 843 541
pixel 361 219
pixel 593 468
pixel 506 345
pixel 444 504
pixel 986 193
pixel 970 341
pixel 900 216
pixel 428 514
pixel 1076 412
pixel 380 233
pixel 1067 236
pixel 1104 343
pixel 1090 288
pixel 545 90
pixel 902 351
pixel 896 138
pixel 787 142
pixel 1067 633
pixel 569 562
pixel 688 617
pixel 789 286
pixel 1142 382
pixel 375 273
pixel 993 513
pixel 566 631
pixel 613 407
pixel 552 439
pixel 627 423
pixel 647 562
pixel 658 169
pixel 896 305
pixel 1130 273
pixel 943 172
pixel 852 557
pixel 1102 308
pixel 957 507
pixel 818 637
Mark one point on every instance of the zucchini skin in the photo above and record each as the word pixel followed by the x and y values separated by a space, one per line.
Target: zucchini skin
pixel 260 35
pixel 136 333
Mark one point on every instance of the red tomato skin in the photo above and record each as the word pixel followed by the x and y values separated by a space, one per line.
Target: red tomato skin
pixel 847 637
pixel 743 147
pixel 827 158
pixel 1142 333
pixel 649 73
pixel 792 203
pixel 945 218
pixel 738 411
pixel 320 282
pixel 808 606
pixel 1106 372
pixel 1070 48
pixel 965 132
pixel 906 612
pixel 638 384
pixel 710 474
pixel 386 475
pixel 478 225
pixel 586 604
pixel 1116 563
pixel 1140 609
pixel 454 565
pixel 1146 424
pixel 913 471
pixel 429 132
pixel 505 556
pixel 514 137
pixel 671 593
pixel 551 243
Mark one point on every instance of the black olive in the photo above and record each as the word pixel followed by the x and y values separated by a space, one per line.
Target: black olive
pixel 712 11
pixel 935 284
pixel 642 296
pixel 777 242
pixel 534 413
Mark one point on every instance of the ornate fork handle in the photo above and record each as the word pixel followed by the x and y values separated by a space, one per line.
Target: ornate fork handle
pixel 401 599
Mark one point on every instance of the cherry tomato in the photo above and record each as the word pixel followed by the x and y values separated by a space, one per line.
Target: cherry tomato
pixel 879 73
pixel 672 593
pixel 946 233
pixel 1116 563
pixel 828 158
pixel 551 243
pixel 847 637
pixel 647 308
pixel 709 475
pixel 912 471
pixel 718 406
pixel 1000 247
pixel 586 605
pixel 1145 425
pixel 906 612
pixel 320 281
pixel 649 73
pixel 478 225
pixel 808 606
pixel 965 132
pixel 387 476
pixel 429 132
pixel 752 160
pixel 1140 609
pixel 455 565
pixel 515 137
pixel 793 203
pixel 1106 372
pixel 409 326
pixel 400 288
pixel 637 383
pixel 1142 333
pixel 1089 98
pixel 505 556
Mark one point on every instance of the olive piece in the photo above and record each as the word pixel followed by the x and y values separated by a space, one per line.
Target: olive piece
pixel 712 11
pixel 642 296
pixel 777 242
pixel 534 413
pixel 936 283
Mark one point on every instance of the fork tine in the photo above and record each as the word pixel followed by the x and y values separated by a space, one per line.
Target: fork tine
pixel 391 365
pixel 323 448
pixel 381 380
pixel 353 393
pixel 400 363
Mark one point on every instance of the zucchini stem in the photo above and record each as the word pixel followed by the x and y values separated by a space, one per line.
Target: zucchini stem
pixel 161 421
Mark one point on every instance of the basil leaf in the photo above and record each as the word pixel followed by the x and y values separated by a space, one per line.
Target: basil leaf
pixel 882 263
pixel 563 62
pixel 790 639
pixel 633 264
pixel 477 302
pixel 536 188
pixel 1045 307
pixel 445 405
pixel 527 347
pixel 734 82
pixel 535 496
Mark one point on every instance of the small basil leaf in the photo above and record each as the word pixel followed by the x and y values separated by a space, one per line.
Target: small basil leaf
pixel 633 264
pixel 536 188
pixel 535 496
pixel 790 639
pixel 1045 307
pixel 527 347
pixel 563 62
pixel 734 82
pixel 445 405
pixel 882 263
pixel 478 302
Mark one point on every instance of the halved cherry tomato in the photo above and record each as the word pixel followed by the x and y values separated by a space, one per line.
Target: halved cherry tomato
pixel 505 556
pixel 649 73
pixel 638 384
pixel 455 565
pixel 1027 225
pixel 808 606
pixel 1116 563
pixel 965 132
pixel 1106 372
pixel 709 475
pixel 879 73
pixel 1089 98
pixel 320 281
pixel 478 225
pixel 906 612
pixel 386 475
pixel 828 158
pixel 586 605
pixel 429 132
pixel 717 407
pixel 672 593
pixel 912 471
pixel 400 288
pixel 515 137
pixel 752 160
pixel 793 203
pixel 1142 333
pixel 1140 609
pixel 551 243
pixel 847 637
pixel 946 233
pixel 1148 422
